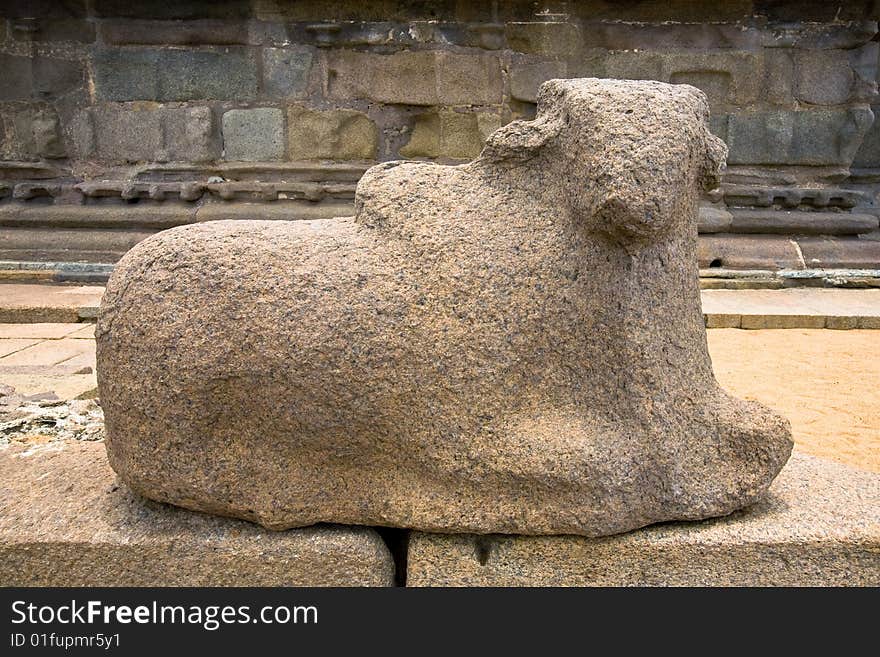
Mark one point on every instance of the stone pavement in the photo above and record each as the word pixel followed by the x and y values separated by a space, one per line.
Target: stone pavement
pixel 803 307
pixel 44 359
pixel 34 302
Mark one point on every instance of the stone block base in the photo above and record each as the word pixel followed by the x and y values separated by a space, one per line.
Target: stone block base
pixel 65 521
pixel 819 526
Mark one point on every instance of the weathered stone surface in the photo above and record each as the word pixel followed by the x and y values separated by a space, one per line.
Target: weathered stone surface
pixel 635 65
pixel 48 29
pixel 450 134
pixel 725 76
pixel 178 33
pixel 66 521
pixel 778 76
pixel 865 63
pixel 816 137
pixel 819 526
pixel 330 134
pixel 868 155
pixel 621 35
pixel 38 77
pixel 543 38
pixel 416 78
pixel 181 9
pixel 713 220
pixel 66 245
pixel 126 74
pixel 253 134
pixel 804 35
pixel 784 222
pixel 29 131
pixel 830 253
pixel 174 75
pixel 512 345
pixel 17 81
pixel 189 134
pixel 286 72
pixel 722 250
pixel 526 76
pixel 146 132
pixel 823 77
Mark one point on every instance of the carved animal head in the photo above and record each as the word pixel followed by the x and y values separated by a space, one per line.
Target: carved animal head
pixel 630 153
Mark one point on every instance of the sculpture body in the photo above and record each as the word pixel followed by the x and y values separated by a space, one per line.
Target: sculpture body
pixel 514 345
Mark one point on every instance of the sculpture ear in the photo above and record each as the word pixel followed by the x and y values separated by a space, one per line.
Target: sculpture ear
pixel 520 140
pixel 714 164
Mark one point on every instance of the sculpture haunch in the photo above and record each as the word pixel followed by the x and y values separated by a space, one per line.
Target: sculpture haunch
pixel 513 345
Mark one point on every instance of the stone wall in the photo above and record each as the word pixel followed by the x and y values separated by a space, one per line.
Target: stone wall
pixel 118 118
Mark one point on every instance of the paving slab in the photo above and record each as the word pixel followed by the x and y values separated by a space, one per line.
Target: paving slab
pixel 23 303
pixel 70 386
pixel 819 526
pixel 48 353
pixel 15 345
pixel 65 521
pixel 41 331
pixel 792 308
pixel 87 332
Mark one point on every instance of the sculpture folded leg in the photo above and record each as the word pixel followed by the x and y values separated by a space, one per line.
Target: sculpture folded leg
pixel 512 345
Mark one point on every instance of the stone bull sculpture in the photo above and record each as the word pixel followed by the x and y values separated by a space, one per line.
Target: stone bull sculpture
pixel 512 345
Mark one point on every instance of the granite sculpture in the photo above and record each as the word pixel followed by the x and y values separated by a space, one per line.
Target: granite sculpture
pixel 514 345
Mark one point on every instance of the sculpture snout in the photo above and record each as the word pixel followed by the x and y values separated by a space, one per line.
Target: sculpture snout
pixel 635 217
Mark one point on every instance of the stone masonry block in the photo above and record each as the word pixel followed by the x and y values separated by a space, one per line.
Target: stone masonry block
pixel 126 74
pixel 633 66
pixel 174 74
pixel 823 77
pixel 146 132
pixel 17 81
pixel 726 251
pixel 39 77
pixel 810 138
pixel 408 78
pixel 868 155
pixel 725 76
pixel 175 33
pixel 865 63
pixel 416 78
pixel 330 134
pixel 30 131
pixel 53 29
pixel 228 73
pixel 778 76
pixel 127 134
pixel 732 76
pixel 450 134
pixel 526 76
pixel 544 38
pixel 468 79
pixel 178 10
pixel 622 35
pixel 286 72
pixel 818 526
pixel 253 134
pixel 189 134
pixel 840 253
pixel 66 521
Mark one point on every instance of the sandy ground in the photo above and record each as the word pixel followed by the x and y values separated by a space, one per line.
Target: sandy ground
pixel 827 383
